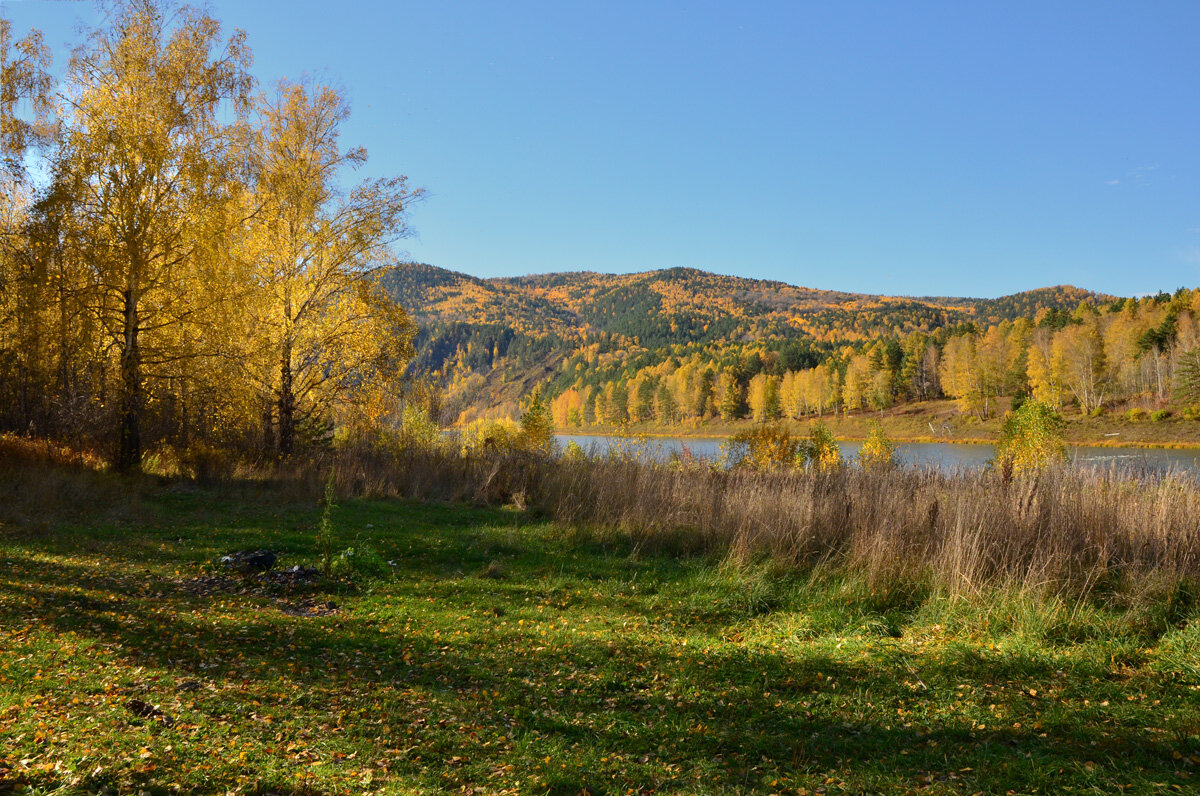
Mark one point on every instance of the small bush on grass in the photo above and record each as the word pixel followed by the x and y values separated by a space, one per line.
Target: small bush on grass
pixel 360 562
pixel 1177 652
pixel 164 461
pixel 208 464
pixel 1136 415
pixel 733 591
pixel 325 530
pixel 1159 415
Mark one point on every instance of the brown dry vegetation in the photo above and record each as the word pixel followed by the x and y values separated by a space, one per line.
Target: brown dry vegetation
pixel 904 531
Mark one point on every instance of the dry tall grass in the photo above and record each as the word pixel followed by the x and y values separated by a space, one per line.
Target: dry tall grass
pixel 1064 530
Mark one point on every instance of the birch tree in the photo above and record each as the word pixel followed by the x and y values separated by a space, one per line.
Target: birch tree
pixel 25 94
pixel 148 158
pixel 322 329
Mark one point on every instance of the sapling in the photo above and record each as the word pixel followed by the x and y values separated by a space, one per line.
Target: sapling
pixel 325 529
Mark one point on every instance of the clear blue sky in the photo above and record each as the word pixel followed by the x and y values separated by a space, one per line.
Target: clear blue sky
pixel 962 148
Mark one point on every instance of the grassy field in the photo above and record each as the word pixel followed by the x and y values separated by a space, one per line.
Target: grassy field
pixel 503 653
pixel 940 421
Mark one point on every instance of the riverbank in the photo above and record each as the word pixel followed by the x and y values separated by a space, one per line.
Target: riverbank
pixel 937 421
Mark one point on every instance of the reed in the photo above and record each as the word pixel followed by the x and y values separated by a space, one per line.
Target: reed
pixel 1063 530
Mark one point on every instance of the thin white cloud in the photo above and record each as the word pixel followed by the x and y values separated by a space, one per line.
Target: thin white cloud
pixel 1142 172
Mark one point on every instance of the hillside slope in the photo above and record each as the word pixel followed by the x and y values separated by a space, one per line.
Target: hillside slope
pixel 490 341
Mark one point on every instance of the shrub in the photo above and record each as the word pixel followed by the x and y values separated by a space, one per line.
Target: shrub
pixel 207 463
pixel 360 562
pixel 418 430
pixel 1159 415
pixel 537 425
pixel 878 452
pixel 489 436
pixel 325 529
pixel 1136 414
pixel 574 452
pixel 1030 438
pixel 684 459
pixel 765 448
pixel 822 449
pixel 164 460
pixel 1191 412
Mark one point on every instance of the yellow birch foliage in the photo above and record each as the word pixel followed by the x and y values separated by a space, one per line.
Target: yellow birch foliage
pixel 146 154
pixel 321 333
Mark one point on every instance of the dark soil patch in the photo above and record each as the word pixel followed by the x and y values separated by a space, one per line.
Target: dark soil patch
pixel 310 609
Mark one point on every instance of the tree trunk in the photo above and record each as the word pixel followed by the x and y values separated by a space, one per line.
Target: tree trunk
pixel 129 451
pixel 185 425
pixel 287 406
pixel 64 414
pixel 268 428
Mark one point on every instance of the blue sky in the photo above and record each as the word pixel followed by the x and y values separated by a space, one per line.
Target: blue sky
pixel 915 148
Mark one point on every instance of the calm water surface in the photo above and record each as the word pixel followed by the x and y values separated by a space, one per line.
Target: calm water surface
pixel 942 454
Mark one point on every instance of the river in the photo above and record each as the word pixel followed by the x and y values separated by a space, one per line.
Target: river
pixel 947 455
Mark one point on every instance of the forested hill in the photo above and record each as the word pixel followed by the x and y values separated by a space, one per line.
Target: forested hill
pixel 490 341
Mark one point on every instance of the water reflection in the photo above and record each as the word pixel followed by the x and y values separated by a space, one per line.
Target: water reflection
pixel 947 455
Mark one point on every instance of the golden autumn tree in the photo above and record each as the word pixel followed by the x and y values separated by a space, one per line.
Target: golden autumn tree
pixel 320 328
pixel 824 388
pixel 763 397
pixel 25 87
pixel 791 395
pixel 1121 332
pixel 1078 359
pixel 858 382
pixel 566 409
pixel 959 373
pixel 25 84
pixel 729 396
pixel 56 354
pixel 147 157
pixel 991 356
pixel 1045 380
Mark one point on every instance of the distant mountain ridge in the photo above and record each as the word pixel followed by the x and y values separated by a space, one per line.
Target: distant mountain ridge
pixel 489 341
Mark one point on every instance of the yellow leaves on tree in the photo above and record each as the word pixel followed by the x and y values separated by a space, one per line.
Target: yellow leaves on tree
pixel 147 160
pixel 319 328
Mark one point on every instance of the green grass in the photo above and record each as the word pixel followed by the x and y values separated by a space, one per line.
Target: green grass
pixel 507 654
